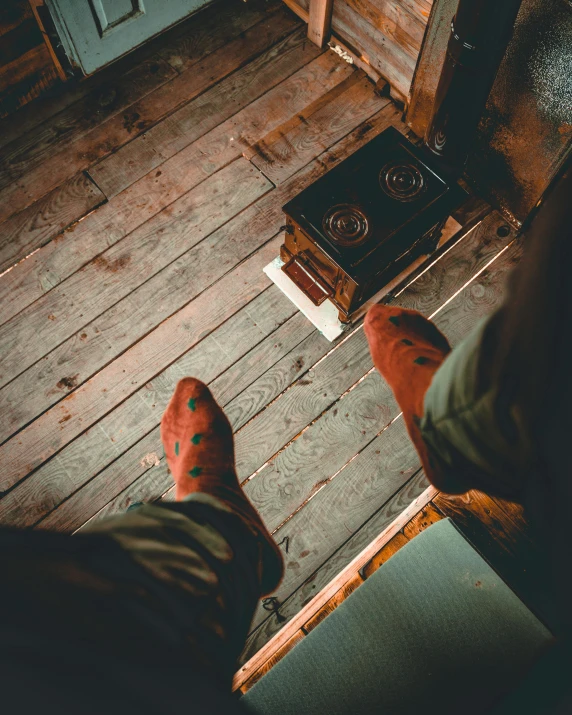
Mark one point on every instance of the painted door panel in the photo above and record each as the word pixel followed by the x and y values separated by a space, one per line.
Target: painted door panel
pixel 96 32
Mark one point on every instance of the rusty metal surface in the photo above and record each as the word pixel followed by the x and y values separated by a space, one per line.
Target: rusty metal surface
pixel 526 129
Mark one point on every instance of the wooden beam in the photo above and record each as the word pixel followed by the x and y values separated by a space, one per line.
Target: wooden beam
pixel 302 13
pixel 271 662
pixel 320 21
pixel 34 4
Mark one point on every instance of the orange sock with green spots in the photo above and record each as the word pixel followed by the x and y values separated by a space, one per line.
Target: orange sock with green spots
pixel 198 442
pixel 197 438
pixel 407 349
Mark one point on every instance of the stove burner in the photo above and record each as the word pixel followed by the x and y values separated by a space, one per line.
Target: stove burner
pixel 346 225
pixel 403 182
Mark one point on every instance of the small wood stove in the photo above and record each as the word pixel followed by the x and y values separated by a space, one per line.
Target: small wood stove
pixel 362 224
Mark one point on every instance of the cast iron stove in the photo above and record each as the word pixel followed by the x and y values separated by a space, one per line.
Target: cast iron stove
pixel 365 221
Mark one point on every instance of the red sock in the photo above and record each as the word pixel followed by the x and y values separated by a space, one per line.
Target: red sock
pixel 198 442
pixel 407 349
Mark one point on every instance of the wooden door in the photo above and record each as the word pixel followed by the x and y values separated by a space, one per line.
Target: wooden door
pixel 96 32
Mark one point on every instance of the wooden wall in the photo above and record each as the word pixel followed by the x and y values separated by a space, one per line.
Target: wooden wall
pixel 26 67
pixel 385 34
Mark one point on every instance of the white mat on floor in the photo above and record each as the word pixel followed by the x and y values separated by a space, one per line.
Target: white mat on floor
pixel 324 317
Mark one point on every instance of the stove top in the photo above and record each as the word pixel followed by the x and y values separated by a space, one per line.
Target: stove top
pixel 365 221
pixel 367 201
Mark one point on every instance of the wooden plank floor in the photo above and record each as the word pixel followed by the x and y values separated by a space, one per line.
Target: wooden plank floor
pixel 137 215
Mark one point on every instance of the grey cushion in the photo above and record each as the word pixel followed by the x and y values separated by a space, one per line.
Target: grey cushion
pixel 434 629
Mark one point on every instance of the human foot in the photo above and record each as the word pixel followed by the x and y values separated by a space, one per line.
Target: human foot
pixel 407 349
pixel 198 442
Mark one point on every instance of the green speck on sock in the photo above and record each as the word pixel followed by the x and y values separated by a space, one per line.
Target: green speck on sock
pixel 195 472
pixel 196 438
pixel 421 360
pixel 192 404
pixel 406 342
pixel 176 449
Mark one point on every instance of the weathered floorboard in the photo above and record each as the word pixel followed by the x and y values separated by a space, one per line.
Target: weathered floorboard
pixel 216 26
pixel 182 172
pixel 49 167
pixel 315 130
pixel 342 504
pixel 275 374
pixel 130 479
pixel 40 493
pixel 270 39
pixel 262 437
pixel 33 227
pixel 190 41
pixel 252 331
pixel 242 235
pixel 266 388
pixel 118 271
pixel 304 468
pixel 275 381
pixel 34 166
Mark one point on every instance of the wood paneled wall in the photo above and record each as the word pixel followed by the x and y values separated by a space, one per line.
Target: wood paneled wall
pixel 26 66
pixel 384 34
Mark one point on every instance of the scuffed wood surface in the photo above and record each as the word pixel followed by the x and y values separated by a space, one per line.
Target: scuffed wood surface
pixel 115 115
pixel 246 233
pixel 36 225
pixel 270 45
pixel 364 421
pixel 183 171
pixel 125 266
pixel 311 132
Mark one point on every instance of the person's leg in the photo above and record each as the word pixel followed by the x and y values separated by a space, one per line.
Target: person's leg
pixel 198 442
pixel 454 416
pixel 493 414
pixel 207 557
pixel 407 350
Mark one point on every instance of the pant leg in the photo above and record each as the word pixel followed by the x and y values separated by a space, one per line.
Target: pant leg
pixel 145 612
pixel 201 569
pixel 498 410
pixel 470 430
